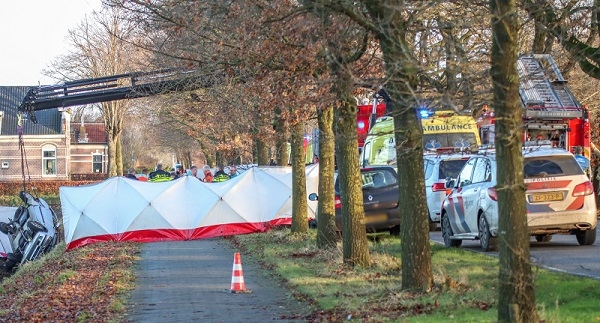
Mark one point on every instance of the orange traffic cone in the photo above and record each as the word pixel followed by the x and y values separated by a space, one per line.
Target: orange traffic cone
pixel 237 276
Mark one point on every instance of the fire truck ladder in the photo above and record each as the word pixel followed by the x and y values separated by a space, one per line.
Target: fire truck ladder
pixel 116 87
pixel 542 85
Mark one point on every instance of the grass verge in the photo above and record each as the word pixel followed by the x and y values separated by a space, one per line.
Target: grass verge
pixel 87 284
pixel 465 283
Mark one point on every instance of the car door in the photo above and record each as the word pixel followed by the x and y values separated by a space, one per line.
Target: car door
pixel 456 209
pixel 471 193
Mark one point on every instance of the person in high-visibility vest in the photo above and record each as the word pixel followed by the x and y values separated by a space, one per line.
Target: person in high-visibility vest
pixel 220 175
pixel 159 175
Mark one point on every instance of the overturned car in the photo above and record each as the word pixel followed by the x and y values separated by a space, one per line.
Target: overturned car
pixel 31 233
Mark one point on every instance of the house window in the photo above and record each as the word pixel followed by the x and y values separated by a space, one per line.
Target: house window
pixel 49 160
pixel 97 163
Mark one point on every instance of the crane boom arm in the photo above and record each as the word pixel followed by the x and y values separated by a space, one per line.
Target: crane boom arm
pixel 116 87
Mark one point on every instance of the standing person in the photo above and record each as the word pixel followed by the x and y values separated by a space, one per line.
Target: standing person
pixel 232 171
pixel 131 174
pixel 220 175
pixel 178 172
pixel 208 176
pixel 159 175
pixel 194 172
pixel 144 176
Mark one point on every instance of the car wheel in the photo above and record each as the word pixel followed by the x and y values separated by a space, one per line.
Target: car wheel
pixel 5 228
pixel 543 237
pixel 35 227
pixel 433 226
pixel 587 237
pixel 447 234
pixel 488 243
pixel 395 230
pixel 13 257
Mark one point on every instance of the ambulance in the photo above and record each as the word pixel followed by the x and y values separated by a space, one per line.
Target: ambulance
pixel 443 131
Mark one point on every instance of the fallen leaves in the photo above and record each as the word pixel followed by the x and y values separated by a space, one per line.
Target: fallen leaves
pixel 79 285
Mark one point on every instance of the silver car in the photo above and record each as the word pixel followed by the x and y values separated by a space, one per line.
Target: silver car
pixel 559 199
pixel 438 169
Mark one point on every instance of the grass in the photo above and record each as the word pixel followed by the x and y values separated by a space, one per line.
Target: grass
pixel 465 283
pixel 87 284
pixel 14 200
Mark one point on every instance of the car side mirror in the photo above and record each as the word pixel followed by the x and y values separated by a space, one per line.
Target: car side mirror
pixel 313 197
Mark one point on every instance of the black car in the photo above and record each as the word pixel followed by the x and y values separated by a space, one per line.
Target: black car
pixel 380 198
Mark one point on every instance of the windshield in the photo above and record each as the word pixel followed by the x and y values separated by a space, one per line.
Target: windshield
pixel 374 178
pixel 565 165
pixel 451 168
pixel 460 140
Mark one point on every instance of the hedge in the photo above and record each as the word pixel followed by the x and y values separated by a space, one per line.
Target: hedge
pixel 38 188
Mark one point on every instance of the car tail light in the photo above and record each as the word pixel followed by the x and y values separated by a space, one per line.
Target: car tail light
pixel 338 202
pixel 583 189
pixel 492 194
pixel 438 187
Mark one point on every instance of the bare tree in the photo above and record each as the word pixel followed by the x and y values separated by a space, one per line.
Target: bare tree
pixel 98 49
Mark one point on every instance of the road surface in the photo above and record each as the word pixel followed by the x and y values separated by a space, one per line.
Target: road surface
pixel 562 253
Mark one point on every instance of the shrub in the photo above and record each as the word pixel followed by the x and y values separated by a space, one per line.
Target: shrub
pixel 45 188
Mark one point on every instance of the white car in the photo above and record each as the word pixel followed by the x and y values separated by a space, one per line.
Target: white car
pixel 438 169
pixel 559 199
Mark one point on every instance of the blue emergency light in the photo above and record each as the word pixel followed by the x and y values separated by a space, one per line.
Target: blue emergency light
pixel 425 113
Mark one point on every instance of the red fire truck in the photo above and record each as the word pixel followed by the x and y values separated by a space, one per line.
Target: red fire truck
pixel 364 118
pixel 367 115
pixel 551 111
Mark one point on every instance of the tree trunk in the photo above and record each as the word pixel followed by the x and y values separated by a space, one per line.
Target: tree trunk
pixel 354 235
pixel 119 155
pixel 516 294
pixel 112 114
pixel 219 158
pixel 414 218
pixel 326 230
pixel 299 203
pixel 262 156
pixel 542 39
pixel 281 154
pixel 282 157
pixel 112 149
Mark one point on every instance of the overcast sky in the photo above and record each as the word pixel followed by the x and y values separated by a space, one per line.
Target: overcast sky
pixel 32 33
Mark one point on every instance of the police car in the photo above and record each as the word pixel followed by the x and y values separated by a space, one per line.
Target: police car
pixel 440 167
pixel 559 199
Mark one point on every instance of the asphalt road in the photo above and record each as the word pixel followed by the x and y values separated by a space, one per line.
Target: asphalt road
pixel 562 253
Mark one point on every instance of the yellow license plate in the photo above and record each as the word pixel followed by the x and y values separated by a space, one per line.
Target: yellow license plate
pixel 545 197
pixel 376 218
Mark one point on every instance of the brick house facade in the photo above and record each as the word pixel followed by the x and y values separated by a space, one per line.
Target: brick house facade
pixel 51 150
pixel 89 148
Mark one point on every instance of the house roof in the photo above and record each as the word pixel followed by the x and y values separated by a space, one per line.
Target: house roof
pixel 49 121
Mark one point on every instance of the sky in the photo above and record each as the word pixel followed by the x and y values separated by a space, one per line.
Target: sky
pixel 33 33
